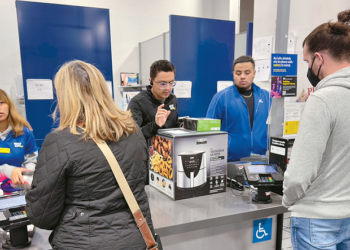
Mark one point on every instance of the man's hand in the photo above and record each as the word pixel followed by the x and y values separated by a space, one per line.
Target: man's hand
pixel 16 175
pixel 161 116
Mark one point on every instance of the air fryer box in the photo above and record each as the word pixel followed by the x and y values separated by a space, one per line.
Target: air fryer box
pixel 202 124
pixel 185 163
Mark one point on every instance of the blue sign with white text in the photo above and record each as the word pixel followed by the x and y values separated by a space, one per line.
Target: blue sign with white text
pixel 284 64
pixel 262 230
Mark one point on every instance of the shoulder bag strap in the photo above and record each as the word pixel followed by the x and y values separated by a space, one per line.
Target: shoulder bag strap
pixel 129 196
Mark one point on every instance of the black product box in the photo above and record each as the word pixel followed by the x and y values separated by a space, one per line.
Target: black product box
pixel 280 151
pixel 279 154
pixel 185 164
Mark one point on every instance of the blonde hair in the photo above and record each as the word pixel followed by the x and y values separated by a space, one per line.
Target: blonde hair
pixel 15 119
pixel 83 98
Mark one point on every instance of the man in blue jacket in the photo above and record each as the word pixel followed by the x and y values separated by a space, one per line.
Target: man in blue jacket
pixel 243 110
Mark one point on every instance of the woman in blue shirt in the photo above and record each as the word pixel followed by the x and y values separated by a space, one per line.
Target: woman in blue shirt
pixel 18 150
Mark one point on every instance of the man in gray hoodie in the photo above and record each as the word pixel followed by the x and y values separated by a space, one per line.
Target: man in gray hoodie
pixel 317 180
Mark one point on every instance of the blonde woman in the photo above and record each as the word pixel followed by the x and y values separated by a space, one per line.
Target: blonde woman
pixel 18 150
pixel 75 193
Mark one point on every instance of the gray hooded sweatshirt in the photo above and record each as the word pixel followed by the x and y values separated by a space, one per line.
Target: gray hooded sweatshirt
pixel 317 180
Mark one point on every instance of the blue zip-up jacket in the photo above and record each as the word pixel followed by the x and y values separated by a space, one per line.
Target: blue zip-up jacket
pixel 231 108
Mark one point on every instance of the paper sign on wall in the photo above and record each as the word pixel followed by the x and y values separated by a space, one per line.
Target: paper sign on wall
pixel 109 86
pixel 223 85
pixel 39 89
pixel 292 115
pixel 263 69
pixel 183 89
pixel 284 69
pixel 291 43
pixel 262 48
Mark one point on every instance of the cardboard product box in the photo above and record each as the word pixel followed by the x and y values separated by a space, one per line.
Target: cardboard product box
pixel 280 151
pixel 279 154
pixel 185 164
pixel 202 124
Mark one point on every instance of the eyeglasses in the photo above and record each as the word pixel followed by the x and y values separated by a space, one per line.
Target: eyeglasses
pixel 163 85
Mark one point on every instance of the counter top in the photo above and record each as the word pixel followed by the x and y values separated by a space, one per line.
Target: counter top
pixel 173 217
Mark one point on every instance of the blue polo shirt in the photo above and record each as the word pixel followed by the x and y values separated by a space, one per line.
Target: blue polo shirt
pixel 13 149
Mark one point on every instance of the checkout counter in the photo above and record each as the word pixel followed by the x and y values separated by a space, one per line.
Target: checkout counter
pixel 230 219
pixel 218 221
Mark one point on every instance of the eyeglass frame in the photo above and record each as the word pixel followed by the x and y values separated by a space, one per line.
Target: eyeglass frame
pixel 171 84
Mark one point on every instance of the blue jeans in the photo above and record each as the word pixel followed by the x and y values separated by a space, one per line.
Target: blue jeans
pixel 309 234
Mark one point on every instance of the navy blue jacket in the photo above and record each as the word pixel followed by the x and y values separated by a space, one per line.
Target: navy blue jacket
pixel 231 108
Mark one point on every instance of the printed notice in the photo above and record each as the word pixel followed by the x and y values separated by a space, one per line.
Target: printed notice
pixel 223 85
pixel 292 115
pixel 263 70
pixel 289 85
pixel 262 48
pixel 109 86
pixel 291 128
pixel 284 65
pixel 183 89
pixel 291 43
pixel 39 89
pixel 284 75
pixel 277 150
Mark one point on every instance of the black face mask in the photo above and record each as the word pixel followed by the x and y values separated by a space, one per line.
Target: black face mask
pixel 314 80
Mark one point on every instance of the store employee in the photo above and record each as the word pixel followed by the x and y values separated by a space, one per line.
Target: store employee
pixel 243 110
pixel 18 150
pixel 156 107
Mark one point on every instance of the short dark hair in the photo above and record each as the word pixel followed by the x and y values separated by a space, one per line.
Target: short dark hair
pixel 333 37
pixel 161 65
pixel 243 59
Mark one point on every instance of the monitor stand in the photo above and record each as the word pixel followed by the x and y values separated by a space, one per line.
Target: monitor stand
pixel 261 197
pixel 18 238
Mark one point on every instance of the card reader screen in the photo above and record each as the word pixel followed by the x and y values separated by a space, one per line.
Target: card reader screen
pixel 16 201
pixel 261 169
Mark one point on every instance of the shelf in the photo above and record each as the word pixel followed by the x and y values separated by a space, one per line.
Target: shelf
pixel 133 86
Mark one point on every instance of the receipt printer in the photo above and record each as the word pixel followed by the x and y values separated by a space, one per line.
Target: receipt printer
pixel 263 177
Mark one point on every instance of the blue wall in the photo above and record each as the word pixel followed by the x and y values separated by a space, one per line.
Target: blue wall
pixel 52 34
pixel 202 51
pixel 249 51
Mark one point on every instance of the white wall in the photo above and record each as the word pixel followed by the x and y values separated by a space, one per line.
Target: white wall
pixel 221 9
pixel 304 17
pixel 265 14
pixel 235 13
pixel 131 22
pixel 10 64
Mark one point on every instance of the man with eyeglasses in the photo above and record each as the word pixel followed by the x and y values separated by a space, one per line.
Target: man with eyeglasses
pixel 156 107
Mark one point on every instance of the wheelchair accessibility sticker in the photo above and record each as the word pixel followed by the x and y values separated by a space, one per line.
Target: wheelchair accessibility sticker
pixel 262 230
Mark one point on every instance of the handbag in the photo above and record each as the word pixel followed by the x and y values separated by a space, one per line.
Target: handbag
pixel 130 199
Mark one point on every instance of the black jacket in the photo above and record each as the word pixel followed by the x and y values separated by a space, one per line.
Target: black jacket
pixel 144 108
pixel 75 193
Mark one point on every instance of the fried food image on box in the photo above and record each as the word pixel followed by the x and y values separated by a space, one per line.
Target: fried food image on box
pixel 160 156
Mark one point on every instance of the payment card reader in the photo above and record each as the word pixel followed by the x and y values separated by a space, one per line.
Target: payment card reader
pixel 13 217
pixel 263 177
